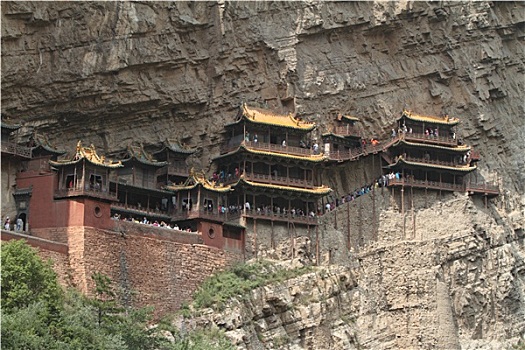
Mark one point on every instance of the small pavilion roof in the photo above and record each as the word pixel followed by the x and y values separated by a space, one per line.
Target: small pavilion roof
pixel 174 146
pixel 41 142
pixel 266 117
pixel 89 154
pixel 140 155
pixel 195 179
pixel 347 118
pixel 430 119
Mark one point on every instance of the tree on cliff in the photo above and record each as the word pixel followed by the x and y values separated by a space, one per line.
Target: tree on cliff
pixel 26 279
pixel 37 314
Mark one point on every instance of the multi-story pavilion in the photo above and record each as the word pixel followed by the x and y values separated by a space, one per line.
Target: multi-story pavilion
pixel 344 135
pixel 177 170
pixel 276 176
pixel 136 186
pixel 427 154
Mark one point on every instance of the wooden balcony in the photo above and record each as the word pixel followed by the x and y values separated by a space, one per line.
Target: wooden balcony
pixel 182 215
pixel 279 180
pixel 141 211
pixel 356 153
pixel 483 188
pixel 436 140
pixel 85 192
pixel 296 219
pixel 347 131
pixel 434 162
pixel 270 147
pixel 16 150
pixel 177 170
pixel 431 185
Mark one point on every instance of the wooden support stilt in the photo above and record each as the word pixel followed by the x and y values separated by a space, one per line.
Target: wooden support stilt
pixel 255 237
pixel 413 213
pixel 360 223
pixel 403 210
pixel 374 228
pixel 348 225
pixel 317 245
pixel 272 239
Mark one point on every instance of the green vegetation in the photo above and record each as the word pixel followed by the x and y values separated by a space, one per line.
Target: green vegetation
pixel 240 279
pixel 37 314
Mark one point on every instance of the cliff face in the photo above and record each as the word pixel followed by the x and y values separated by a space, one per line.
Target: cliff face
pixel 112 72
pixel 454 278
pixel 120 71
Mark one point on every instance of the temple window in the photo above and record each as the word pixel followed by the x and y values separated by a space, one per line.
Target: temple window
pixel 70 181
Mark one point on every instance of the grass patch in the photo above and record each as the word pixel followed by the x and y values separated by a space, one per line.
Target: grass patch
pixel 239 280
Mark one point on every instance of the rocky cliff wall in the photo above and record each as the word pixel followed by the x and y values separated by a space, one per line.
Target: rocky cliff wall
pixel 460 284
pixel 113 72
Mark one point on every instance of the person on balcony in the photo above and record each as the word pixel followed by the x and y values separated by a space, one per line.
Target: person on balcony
pixel 283 143
pixel 255 138
pixel 316 148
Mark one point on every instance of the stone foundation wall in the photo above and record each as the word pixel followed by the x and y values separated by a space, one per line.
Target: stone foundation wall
pixel 151 271
pixel 146 268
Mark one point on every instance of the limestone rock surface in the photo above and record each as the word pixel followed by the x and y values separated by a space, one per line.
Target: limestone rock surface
pixel 114 72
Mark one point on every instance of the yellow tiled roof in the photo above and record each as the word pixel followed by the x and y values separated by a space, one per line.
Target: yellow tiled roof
pixel 458 148
pixel 431 119
pixel 347 117
pixel 310 158
pixel 195 179
pixel 89 154
pixel 261 116
pixel 321 190
pixel 435 166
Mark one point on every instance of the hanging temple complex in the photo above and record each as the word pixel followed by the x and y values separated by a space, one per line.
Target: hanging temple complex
pixel 144 207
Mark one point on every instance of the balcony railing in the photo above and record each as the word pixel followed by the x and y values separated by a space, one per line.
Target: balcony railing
pixel 205 214
pixel 270 147
pixel 355 153
pixel 301 219
pixel 87 192
pixel 180 170
pixel 435 185
pixel 347 131
pixel 15 149
pixel 141 210
pixel 434 162
pixel 486 188
pixel 439 140
pixel 279 180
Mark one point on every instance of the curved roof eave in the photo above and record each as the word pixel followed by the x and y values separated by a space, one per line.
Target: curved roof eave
pixel 322 190
pixel 428 145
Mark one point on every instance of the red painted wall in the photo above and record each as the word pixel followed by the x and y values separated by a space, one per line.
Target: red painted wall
pixel 214 240
pixel 46 212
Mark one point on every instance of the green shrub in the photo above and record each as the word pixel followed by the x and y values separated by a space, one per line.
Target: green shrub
pixel 240 279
